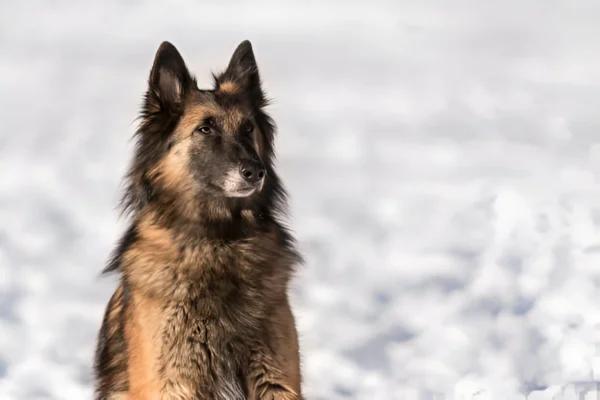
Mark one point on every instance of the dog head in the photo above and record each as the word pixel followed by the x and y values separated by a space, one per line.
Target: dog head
pixel 214 144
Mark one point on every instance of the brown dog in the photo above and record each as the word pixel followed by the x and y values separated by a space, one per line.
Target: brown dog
pixel 202 310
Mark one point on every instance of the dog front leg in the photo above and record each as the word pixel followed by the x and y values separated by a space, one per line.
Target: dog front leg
pixel 267 381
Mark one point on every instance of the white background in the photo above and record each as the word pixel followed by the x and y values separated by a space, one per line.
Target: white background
pixel 442 160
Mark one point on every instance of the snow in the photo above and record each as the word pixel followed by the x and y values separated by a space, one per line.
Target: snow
pixel 442 160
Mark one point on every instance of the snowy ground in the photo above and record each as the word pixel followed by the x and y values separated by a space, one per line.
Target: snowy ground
pixel 442 161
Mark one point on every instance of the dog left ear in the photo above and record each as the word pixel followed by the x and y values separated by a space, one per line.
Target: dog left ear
pixel 243 71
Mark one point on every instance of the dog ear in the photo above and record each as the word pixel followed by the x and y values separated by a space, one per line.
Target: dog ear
pixel 243 71
pixel 169 78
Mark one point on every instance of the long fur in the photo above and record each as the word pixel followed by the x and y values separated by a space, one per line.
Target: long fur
pixel 202 310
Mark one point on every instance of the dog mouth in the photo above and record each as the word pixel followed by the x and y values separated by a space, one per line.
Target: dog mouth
pixel 234 185
pixel 241 192
pixel 242 189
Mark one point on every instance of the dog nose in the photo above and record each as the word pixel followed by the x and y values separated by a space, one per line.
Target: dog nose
pixel 252 172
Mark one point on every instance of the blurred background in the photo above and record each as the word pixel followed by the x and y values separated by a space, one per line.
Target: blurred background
pixel 442 160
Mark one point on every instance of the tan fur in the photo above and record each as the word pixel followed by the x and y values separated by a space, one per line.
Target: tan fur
pixel 259 143
pixel 248 216
pixel 172 170
pixel 229 87
pixel 142 333
pixel 146 261
pixel 194 113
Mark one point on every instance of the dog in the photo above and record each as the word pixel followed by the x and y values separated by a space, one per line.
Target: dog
pixel 202 309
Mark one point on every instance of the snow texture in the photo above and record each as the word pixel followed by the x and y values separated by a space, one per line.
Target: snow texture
pixel 442 160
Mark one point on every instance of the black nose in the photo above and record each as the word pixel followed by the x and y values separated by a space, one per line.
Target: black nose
pixel 252 172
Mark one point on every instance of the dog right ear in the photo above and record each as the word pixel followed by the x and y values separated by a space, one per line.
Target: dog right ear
pixel 169 78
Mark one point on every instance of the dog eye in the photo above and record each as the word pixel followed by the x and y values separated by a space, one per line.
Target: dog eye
pixel 248 128
pixel 204 129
